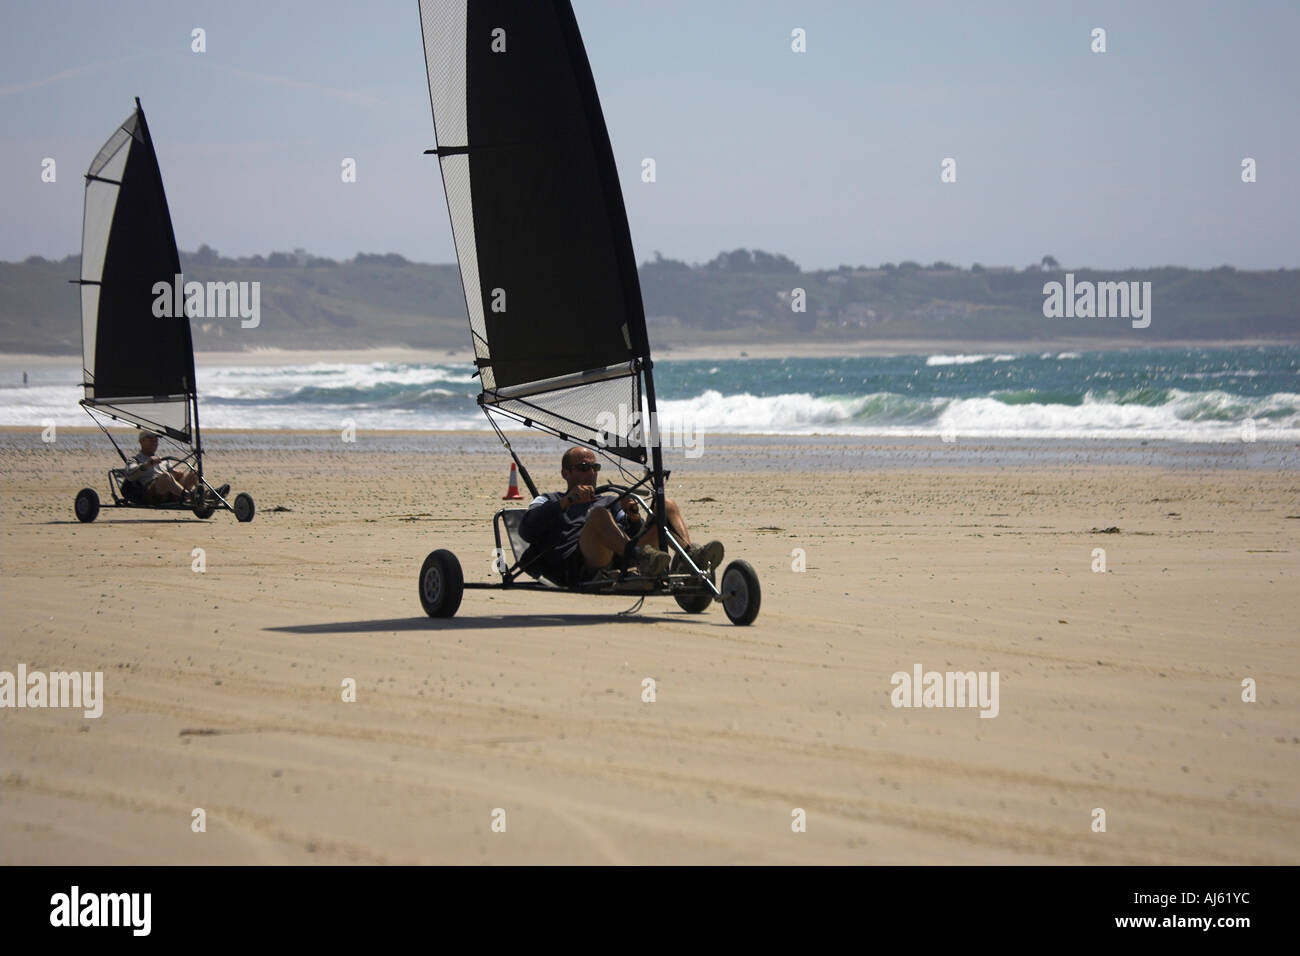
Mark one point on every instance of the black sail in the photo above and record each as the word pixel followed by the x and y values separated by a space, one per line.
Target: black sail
pixel 138 366
pixel 541 232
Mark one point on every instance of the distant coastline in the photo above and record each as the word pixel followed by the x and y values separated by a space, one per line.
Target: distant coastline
pixel 741 301
pixel 764 350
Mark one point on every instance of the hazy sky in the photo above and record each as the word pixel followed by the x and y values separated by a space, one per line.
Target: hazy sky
pixel 1130 157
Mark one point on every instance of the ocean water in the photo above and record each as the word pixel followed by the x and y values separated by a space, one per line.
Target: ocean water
pixel 1180 395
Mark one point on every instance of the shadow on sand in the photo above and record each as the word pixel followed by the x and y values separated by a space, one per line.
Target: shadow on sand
pixel 131 521
pixel 486 622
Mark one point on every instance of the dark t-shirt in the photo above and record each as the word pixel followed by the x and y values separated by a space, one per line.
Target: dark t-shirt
pixel 553 533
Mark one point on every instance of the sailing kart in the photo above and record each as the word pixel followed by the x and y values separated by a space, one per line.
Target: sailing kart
pixel 556 318
pixel 127 494
pixel 138 365
pixel 443 584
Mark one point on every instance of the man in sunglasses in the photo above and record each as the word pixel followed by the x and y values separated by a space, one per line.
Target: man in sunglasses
pixel 574 537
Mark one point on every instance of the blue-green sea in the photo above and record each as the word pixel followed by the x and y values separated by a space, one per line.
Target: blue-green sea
pixel 1196 395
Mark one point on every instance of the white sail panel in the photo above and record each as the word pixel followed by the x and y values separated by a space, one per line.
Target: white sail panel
pixel 171 416
pixel 460 203
pixel 445 62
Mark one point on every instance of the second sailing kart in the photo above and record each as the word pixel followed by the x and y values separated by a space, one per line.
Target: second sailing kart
pixel 138 368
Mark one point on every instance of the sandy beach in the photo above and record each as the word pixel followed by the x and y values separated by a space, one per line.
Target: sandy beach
pixel 1119 690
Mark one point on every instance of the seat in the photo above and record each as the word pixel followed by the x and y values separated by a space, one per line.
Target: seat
pixel 511 518
pixel 131 492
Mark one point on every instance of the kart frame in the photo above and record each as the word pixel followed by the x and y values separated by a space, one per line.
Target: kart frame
pixel 691 582
pixel 442 582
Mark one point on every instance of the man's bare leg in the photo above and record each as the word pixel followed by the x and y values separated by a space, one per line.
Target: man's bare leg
pixel 601 539
pixel 186 479
pixel 165 488
pixel 710 554
pixel 676 525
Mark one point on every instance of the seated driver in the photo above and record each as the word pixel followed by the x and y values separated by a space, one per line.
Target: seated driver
pixel 578 536
pixel 159 485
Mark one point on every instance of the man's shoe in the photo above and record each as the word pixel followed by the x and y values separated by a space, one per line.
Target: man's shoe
pixel 705 556
pixel 223 491
pixel 651 562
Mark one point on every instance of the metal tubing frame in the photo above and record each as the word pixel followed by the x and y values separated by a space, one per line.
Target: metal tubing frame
pixel 510 575
pixel 196 452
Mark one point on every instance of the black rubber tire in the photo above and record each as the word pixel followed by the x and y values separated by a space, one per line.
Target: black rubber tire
pixel 87 506
pixel 693 603
pixel 442 584
pixel 204 510
pixel 741 594
pixel 244 507
pixel 696 603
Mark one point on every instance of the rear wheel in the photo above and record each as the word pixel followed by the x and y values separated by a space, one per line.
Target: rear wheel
pixel 741 594
pixel 244 507
pixel 696 603
pixel 442 584
pixel 87 505
pixel 204 510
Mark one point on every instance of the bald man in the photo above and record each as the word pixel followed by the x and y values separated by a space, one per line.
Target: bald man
pixel 580 536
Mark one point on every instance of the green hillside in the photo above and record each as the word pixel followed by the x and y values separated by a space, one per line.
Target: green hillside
pixel 738 297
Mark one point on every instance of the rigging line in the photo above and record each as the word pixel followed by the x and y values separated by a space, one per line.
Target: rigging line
pixel 491 421
pixel 531 421
pixel 523 472
pixel 617 462
pixel 119 451
pixel 633 609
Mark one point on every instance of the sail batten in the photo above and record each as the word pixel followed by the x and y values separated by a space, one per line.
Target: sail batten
pixel 536 211
pixel 139 367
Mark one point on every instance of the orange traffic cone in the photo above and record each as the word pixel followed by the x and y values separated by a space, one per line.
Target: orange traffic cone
pixel 512 493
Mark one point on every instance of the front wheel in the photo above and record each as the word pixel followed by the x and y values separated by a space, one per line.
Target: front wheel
pixel 244 507
pixel 442 584
pixel 87 505
pixel 741 594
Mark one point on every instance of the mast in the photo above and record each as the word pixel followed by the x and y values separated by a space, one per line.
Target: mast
pixel 656 455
